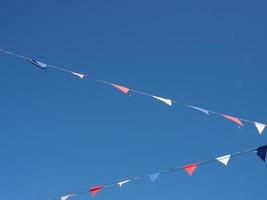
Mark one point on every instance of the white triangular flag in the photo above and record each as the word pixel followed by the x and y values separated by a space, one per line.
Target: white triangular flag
pixel 224 159
pixel 167 101
pixel 123 182
pixel 67 196
pixel 78 74
pixel 260 127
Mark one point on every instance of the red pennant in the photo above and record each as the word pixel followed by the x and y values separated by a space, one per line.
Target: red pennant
pixel 121 88
pixel 190 168
pixel 95 189
pixel 234 119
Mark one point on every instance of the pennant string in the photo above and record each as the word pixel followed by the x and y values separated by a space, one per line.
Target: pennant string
pixel 260 126
pixel 261 152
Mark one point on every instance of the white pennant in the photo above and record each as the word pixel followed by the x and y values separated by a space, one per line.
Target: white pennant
pixel 224 159
pixel 167 101
pixel 80 75
pixel 123 182
pixel 260 127
pixel 67 196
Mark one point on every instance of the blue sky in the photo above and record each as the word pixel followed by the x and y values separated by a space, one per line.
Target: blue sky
pixel 60 133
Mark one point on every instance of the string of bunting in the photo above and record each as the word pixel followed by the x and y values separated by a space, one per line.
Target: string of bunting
pixel 188 168
pixel 238 121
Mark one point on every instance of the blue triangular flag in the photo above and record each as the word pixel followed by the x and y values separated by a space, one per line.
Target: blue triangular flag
pixel 199 109
pixel 153 177
pixel 261 152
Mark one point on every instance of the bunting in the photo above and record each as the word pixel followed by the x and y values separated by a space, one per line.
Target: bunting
pixel 261 152
pixel 234 119
pixel 153 177
pixel 96 189
pixel 199 109
pixel 121 88
pixel 79 75
pixel 190 168
pixel 37 63
pixel 239 121
pixel 167 101
pixel 67 197
pixel 260 127
pixel 224 159
pixel 123 182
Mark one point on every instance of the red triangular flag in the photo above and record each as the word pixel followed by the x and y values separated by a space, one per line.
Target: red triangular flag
pixel 95 189
pixel 234 119
pixel 121 88
pixel 190 168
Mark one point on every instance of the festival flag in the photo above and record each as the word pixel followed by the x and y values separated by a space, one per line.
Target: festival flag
pixel 67 196
pixel 167 101
pixel 199 109
pixel 123 182
pixel 234 119
pixel 261 152
pixel 121 88
pixel 153 177
pixel 37 63
pixel 79 75
pixel 260 127
pixel 190 168
pixel 96 189
pixel 224 159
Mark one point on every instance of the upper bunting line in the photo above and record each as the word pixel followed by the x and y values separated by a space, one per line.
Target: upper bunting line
pixel 238 121
pixel 189 169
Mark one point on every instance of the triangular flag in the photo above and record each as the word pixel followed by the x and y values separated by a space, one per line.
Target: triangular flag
pixel 190 168
pixel 234 119
pixel 167 101
pixel 153 177
pixel 95 190
pixel 78 74
pixel 66 197
pixel 260 127
pixel 224 159
pixel 200 109
pixel 261 152
pixel 123 182
pixel 37 63
pixel 121 88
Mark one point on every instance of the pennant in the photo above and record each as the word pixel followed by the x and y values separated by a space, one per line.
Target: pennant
pixel 67 196
pixel 234 119
pixel 190 168
pixel 121 88
pixel 260 127
pixel 37 63
pixel 261 152
pixel 199 109
pixel 224 159
pixel 167 101
pixel 96 189
pixel 123 182
pixel 153 177
pixel 78 74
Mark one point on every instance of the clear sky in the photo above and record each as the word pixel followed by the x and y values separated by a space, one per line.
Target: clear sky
pixel 60 133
